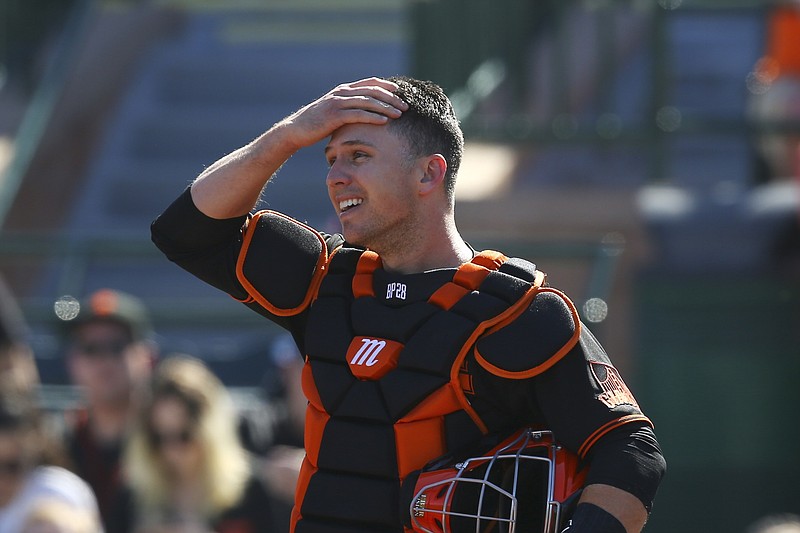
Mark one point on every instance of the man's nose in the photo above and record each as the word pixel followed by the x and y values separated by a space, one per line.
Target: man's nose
pixel 337 175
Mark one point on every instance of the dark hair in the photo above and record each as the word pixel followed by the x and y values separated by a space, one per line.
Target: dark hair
pixel 430 125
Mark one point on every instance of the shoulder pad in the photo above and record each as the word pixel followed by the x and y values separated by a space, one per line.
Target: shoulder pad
pixel 280 264
pixel 519 268
pixel 345 260
pixel 536 340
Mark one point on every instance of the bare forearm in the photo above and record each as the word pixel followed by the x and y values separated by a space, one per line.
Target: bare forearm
pixel 625 507
pixel 232 185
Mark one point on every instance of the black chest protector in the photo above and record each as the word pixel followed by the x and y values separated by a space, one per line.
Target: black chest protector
pixel 383 379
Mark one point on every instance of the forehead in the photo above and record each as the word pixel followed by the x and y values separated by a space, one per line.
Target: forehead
pixel 169 410
pixel 102 329
pixel 377 136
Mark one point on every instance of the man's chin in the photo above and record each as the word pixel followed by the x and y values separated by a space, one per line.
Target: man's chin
pixel 356 243
pixel 353 238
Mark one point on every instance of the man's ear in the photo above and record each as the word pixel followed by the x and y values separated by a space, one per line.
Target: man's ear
pixel 433 173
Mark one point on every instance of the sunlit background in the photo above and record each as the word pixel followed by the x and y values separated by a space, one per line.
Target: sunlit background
pixel 643 153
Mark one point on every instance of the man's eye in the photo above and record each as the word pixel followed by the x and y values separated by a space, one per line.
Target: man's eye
pixel 331 161
pixel 359 155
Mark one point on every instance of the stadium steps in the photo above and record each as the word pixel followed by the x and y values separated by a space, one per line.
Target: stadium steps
pixel 222 78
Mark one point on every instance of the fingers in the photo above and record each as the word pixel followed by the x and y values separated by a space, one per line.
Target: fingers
pixel 374 95
pixel 364 108
pixel 367 101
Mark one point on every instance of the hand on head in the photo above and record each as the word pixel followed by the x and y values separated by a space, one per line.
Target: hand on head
pixel 367 101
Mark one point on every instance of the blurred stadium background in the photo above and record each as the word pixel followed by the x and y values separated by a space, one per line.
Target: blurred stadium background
pixel 609 141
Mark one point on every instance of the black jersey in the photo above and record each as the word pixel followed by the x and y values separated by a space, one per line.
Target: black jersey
pixel 524 360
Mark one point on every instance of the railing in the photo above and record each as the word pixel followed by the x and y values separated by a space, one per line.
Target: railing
pixel 44 99
pixel 493 59
pixel 475 48
pixel 69 259
pixel 73 257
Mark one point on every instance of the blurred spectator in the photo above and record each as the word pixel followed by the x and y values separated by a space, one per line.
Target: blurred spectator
pixel 281 464
pixel 50 515
pixel 19 377
pixel 777 523
pixel 774 109
pixel 26 483
pixel 18 372
pixel 185 464
pixel 110 356
pixel 775 95
pixel 289 364
pixel 29 477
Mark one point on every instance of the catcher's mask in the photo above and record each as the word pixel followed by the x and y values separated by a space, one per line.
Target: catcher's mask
pixel 525 484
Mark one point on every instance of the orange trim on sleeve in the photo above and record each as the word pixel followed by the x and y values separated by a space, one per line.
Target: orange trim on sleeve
pixel 552 360
pixel 607 427
pixel 319 270
pixel 368 263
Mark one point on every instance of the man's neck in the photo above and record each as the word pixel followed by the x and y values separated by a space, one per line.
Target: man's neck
pixel 446 250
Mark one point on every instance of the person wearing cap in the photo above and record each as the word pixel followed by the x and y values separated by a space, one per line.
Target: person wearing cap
pixel 109 356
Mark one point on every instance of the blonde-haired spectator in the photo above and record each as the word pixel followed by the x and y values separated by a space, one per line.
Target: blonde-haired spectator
pixel 109 353
pixel 185 464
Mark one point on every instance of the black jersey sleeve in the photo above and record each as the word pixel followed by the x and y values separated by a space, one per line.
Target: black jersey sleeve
pixel 583 397
pixel 204 246
pixel 552 369
pixel 267 260
pixel 630 459
pixel 548 371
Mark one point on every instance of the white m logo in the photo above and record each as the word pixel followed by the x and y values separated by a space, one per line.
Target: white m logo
pixel 363 357
pixel 368 353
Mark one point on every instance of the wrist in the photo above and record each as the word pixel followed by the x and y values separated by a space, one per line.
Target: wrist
pixel 589 518
pixel 276 143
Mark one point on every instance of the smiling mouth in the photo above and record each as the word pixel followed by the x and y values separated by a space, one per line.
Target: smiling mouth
pixel 350 203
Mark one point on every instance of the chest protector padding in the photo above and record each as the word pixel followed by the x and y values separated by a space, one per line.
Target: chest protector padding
pixel 364 435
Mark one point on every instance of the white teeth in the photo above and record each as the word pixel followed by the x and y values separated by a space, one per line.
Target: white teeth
pixel 346 204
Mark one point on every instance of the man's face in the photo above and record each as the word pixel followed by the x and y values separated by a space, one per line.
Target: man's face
pixel 175 439
pixel 106 362
pixel 372 185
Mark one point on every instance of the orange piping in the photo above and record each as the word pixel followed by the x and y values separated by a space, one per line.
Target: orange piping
pixel 552 360
pixel 319 269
